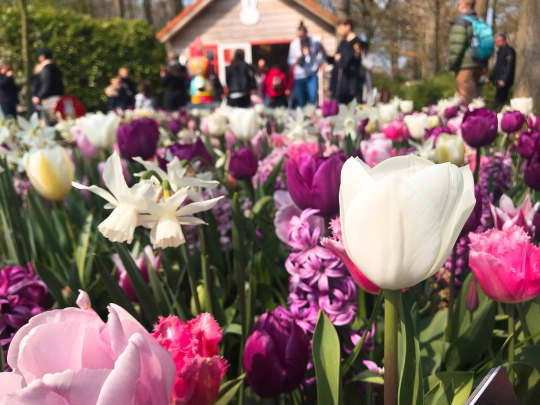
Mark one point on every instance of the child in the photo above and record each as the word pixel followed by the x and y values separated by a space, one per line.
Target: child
pixel 144 100
pixel 118 98
pixel 275 86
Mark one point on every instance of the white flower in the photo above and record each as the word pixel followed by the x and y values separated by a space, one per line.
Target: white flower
pixel 64 127
pixel 433 121
pixel 33 136
pixel 167 216
pixel 217 123
pixel 127 203
pixel 348 118
pixel 299 127
pixel 50 171
pixel 406 106
pixel 100 129
pixel 388 113
pixel 443 104
pixel 477 103
pixel 522 104
pixel 424 150
pixel 244 122
pixel 401 219
pixel 450 148
pixel 417 125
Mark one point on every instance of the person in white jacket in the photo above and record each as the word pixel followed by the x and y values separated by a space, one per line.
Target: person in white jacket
pixel 306 55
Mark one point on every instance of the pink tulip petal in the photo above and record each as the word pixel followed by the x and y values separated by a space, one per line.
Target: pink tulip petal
pixel 10 382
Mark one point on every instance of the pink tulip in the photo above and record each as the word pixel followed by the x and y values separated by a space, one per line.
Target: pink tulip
pixel 506 264
pixel 396 131
pixel 70 356
pixel 507 215
pixel 377 149
pixel 194 347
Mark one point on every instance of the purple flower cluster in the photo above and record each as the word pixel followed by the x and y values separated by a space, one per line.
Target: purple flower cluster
pixel 22 295
pixel 318 279
pixel 266 166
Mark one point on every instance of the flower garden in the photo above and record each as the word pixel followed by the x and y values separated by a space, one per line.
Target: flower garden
pixel 339 255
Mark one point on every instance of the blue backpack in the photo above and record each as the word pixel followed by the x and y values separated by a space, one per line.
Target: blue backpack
pixel 482 44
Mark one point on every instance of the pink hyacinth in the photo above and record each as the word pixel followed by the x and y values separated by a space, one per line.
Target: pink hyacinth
pixel 377 149
pixel 506 264
pixel 296 150
pixel 507 215
pixel 194 348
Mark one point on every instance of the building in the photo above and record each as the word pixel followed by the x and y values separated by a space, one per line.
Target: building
pixel 262 28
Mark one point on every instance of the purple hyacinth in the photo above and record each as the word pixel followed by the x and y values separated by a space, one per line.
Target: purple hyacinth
pixel 22 295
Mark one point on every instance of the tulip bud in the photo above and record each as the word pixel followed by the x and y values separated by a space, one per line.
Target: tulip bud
pixel 479 127
pixel 243 164
pixel 50 171
pixel 276 354
pixel 472 297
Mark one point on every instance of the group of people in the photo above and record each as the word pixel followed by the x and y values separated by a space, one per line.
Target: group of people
pixel 471 71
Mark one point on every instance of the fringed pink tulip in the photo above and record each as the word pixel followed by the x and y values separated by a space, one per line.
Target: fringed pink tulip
pixel 506 264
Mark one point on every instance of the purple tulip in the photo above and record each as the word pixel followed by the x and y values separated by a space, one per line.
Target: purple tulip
pixel 532 171
pixel 512 121
pixel 190 152
pixel 314 183
pixel 174 126
pixel 479 127
pixel 451 112
pixel 527 143
pixel 138 138
pixel 330 108
pixel 534 123
pixel 243 164
pixel 437 131
pixel 276 354
pixel 22 295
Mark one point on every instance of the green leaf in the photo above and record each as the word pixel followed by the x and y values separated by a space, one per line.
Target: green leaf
pixel 452 387
pixel 368 376
pixel 261 203
pixel 82 248
pixel 326 358
pixel 228 390
pixel 233 328
pixel 411 389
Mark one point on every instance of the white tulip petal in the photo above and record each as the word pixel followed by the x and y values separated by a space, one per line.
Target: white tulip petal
pixel 400 166
pixel 355 175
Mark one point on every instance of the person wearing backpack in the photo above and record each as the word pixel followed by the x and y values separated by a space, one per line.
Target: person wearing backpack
pixel 240 81
pixel 471 46
pixel 504 70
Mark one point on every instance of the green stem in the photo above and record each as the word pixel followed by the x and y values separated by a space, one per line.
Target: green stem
pixel 477 166
pixel 451 297
pixel 207 277
pixel 191 278
pixel 511 331
pixel 391 299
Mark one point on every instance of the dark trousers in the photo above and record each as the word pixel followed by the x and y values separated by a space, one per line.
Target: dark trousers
pixel 278 101
pixel 240 102
pixel 9 109
pixel 502 95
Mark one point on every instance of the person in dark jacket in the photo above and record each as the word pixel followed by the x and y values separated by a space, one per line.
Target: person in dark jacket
pixel 8 90
pixel 240 81
pixel 347 78
pixel 460 61
pixel 504 70
pixel 50 83
pixel 174 79
pixel 117 96
pixel 129 86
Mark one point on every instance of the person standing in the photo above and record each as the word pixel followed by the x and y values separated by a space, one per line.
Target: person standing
pixel 306 55
pixel 174 79
pixel 240 81
pixel 117 96
pixel 129 86
pixel 468 70
pixel 275 87
pixel 504 70
pixel 347 81
pixel 49 83
pixel 8 90
pixel 144 99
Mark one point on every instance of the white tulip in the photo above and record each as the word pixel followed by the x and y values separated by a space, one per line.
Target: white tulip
pixel 523 104
pixel 406 106
pixel 100 129
pixel 217 124
pixel 417 125
pixel 450 148
pixel 477 103
pixel 50 171
pixel 401 219
pixel 433 121
pixel 388 113
pixel 244 122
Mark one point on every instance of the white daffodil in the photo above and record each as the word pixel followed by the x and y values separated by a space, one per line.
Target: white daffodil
pixel 127 203
pixel 424 150
pixel 100 129
pixel 166 218
pixel 348 118
pixel 299 127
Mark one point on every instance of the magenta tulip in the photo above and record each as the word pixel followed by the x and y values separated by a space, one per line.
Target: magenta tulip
pixel 506 264
pixel 243 164
pixel 138 138
pixel 512 121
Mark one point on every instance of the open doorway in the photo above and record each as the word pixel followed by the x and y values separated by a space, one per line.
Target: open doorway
pixel 274 55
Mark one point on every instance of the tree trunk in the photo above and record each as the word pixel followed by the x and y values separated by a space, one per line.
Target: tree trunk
pixel 120 8
pixel 482 8
pixel 343 8
pixel 528 51
pixel 494 8
pixel 175 6
pixel 25 53
pixel 147 7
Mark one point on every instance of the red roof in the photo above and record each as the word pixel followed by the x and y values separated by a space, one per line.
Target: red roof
pixel 191 11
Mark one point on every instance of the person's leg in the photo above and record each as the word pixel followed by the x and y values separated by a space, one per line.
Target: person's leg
pixel 244 102
pixel 466 86
pixel 312 85
pixel 300 91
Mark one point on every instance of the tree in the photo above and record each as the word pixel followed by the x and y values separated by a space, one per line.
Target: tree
pixel 482 8
pixel 120 7
pixel 175 6
pixel 528 51
pixel 25 51
pixel 147 7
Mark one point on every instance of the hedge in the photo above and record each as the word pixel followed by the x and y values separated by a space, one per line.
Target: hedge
pixel 89 51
